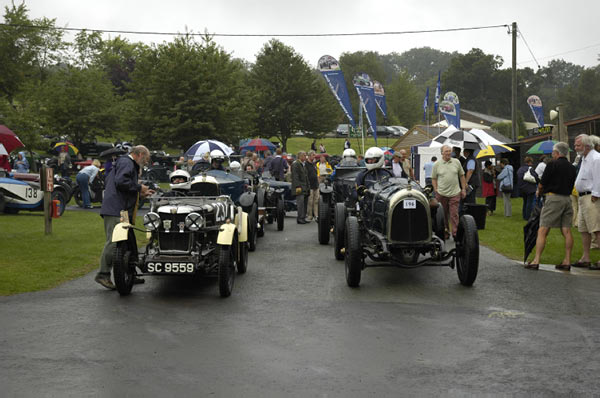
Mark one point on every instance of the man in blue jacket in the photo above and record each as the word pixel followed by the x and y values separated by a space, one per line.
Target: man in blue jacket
pixel 121 193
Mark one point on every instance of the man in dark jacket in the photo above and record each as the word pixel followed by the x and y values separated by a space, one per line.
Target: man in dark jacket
pixel 527 189
pixel 300 186
pixel 278 166
pixel 312 209
pixel 121 194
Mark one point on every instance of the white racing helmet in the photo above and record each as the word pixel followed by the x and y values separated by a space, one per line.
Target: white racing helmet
pixel 235 166
pixel 374 158
pixel 217 156
pixel 349 153
pixel 180 175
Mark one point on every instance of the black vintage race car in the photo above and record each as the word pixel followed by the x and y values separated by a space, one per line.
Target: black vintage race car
pixel 335 197
pixel 398 223
pixel 188 236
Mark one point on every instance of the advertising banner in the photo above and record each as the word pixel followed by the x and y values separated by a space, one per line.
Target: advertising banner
pixel 438 90
pixel 450 108
pixel 330 69
pixel 535 103
pixel 364 88
pixel 380 98
pixel 425 105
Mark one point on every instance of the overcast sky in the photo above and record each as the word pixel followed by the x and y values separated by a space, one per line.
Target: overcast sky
pixel 553 29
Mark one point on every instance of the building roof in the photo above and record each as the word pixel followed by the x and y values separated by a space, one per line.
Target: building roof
pixel 484 119
pixel 415 136
pixel 583 119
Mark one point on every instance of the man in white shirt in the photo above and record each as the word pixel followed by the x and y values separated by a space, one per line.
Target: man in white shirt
pixel 587 185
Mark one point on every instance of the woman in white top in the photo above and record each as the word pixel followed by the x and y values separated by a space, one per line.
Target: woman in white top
pixel 84 178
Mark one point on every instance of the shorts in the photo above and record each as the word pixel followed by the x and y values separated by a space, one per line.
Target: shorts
pixel 557 212
pixel 588 219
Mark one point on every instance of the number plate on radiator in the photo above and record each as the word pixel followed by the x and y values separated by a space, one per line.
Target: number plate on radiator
pixel 409 204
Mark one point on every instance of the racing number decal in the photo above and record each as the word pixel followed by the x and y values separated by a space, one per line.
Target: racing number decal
pixel 31 193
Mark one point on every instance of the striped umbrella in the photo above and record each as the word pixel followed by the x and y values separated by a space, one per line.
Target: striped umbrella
pixel 206 146
pixel 258 144
pixel 60 147
pixel 458 138
pixel 543 147
pixel 493 150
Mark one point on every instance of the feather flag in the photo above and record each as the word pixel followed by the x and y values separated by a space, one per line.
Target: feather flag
pixel 425 104
pixel 438 89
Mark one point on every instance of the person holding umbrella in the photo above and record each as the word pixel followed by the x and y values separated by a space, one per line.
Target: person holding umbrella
pixel 557 184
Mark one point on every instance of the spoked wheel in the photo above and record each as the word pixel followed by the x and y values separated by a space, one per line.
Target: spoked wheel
pixel 226 269
pixel 467 250
pixel 324 221
pixel 252 230
pixel 280 214
pixel 123 269
pixel 242 262
pixel 338 232
pixel 353 260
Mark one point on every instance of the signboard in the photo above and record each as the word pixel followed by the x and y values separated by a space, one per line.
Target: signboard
pixel 47 178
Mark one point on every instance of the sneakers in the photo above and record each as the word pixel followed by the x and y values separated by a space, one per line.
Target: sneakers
pixel 105 281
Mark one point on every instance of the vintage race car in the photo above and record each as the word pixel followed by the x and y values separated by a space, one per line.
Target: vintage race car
pixel 23 192
pixel 270 199
pixel 335 196
pixel 398 223
pixel 205 235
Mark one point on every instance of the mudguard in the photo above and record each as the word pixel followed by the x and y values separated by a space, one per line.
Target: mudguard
pixel 226 233
pixel 120 232
pixel 246 199
pixel 242 225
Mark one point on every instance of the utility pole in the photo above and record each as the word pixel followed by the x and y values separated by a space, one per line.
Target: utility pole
pixel 513 107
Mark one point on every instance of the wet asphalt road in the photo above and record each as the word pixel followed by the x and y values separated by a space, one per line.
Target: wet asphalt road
pixel 293 328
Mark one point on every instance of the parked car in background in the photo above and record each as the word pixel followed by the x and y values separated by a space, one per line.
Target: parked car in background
pixel 93 148
pixel 383 131
pixel 398 130
pixel 342 129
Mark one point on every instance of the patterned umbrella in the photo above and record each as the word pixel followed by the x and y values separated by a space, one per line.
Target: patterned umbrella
pixel 544 147
pixel 458 138
pixel 493 150
pixel 201 147
pixel 258 144
pixel 60 147
pixel 9 139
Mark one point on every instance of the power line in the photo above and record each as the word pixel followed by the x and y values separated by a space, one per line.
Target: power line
pixel 563 53
pixel 527 45
pixel 256 34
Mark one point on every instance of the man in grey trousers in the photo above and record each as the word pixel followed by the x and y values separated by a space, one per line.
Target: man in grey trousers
pixel 300 186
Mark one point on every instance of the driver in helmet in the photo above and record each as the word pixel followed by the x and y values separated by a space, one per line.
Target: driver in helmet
pixel 374 161
pixel 180 183
pixel 216 160
pixel 348 158
pixel 235 166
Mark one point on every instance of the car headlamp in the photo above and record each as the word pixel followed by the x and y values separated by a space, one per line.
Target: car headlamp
pixel 194 221
pixel 151 221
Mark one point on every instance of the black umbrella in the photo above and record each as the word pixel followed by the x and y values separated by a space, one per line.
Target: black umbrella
pixel 116 151
pixel 530 229
pixel 459 138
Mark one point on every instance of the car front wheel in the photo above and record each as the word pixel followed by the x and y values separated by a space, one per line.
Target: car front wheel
pixel 324 221
pixel 252 220
pixel 123 270
pixel 338 233
pixel 280 214
pixel 467 250
pixel 353 260
pixel 226 270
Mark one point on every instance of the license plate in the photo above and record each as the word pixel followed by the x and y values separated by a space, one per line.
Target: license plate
pixel 410 204
pixel 170 267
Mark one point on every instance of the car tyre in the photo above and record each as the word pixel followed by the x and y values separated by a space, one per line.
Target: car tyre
pixel 242 263
pixel 77 196
pixel 226 270
pixel 467 250
pixel 152 176
pixel 280 214
pixel 2 202
pixel 260 232
pixel 123 270
pixel 353 253
pixel 338 230
pixel 324 221
pixel 252 221
pixel 440 222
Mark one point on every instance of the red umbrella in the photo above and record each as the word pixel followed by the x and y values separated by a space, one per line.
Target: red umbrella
pixel 258 144
pixel 9 139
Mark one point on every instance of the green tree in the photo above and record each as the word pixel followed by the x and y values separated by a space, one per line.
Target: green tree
pixel 185 91
pixel 404 102
pixel 289 96
pixel 79 103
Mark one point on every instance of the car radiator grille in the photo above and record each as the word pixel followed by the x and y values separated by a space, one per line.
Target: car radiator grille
pixel 409 225
pixel 173 240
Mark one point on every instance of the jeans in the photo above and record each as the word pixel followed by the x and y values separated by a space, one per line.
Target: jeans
pixel 450 205
pixel 83 180
pixel 528 203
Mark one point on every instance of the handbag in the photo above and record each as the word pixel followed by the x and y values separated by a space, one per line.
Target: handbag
pixel 528 177
pixel 506 188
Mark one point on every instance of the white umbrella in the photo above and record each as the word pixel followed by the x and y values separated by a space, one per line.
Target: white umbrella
pixel 458 138
pixel 3 150
pixel 205 146
pixel 485 137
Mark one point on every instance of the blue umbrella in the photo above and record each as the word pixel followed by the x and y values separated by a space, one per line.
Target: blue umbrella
pixel 544 147
pixel 258 144
pixel 201 147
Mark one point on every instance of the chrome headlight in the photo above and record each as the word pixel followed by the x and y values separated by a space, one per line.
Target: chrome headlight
pixel 194 221
pixel 151 221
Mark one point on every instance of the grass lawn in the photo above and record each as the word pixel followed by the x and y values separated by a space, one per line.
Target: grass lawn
pixel 334 146
pixel 32 261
